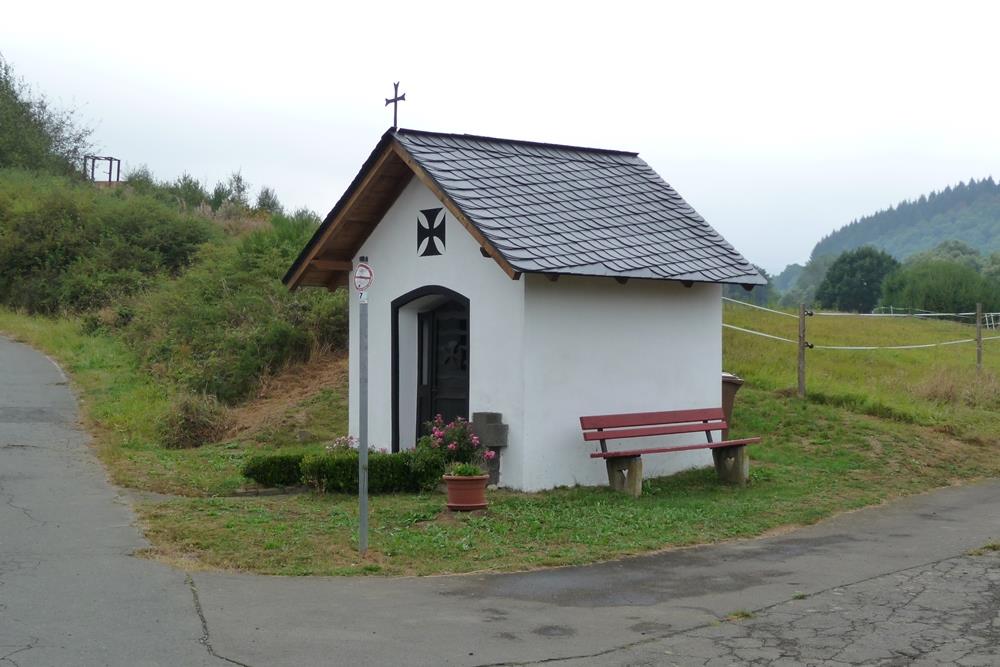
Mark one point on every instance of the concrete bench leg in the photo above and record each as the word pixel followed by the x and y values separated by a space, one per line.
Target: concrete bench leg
pixel 732 464
pixel 625 474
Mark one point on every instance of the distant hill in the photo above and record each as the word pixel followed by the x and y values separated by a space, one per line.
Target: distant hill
pixel 968 212
pixel 786 280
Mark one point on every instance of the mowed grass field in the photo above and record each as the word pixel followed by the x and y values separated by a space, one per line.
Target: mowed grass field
pixel 877 425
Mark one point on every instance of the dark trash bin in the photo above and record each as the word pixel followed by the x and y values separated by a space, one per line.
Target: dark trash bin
pixel 730 385
pixel 731 463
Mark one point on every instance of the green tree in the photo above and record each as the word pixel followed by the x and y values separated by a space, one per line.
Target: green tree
pixel 854 280
pixel 940 286
pixel 951 251
pixel 33 133
pixel 267 201
pixel 188 191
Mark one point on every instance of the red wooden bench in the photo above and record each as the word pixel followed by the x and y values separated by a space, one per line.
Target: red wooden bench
pixel 625 466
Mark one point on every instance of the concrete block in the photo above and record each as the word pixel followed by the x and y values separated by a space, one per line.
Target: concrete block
pixel 625 474
pixel 732 464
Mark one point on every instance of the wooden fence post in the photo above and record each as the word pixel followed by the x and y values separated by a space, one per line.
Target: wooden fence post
pixel 979 337
pixel 802 350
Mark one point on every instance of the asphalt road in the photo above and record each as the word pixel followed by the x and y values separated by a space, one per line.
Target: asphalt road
pixel 891 585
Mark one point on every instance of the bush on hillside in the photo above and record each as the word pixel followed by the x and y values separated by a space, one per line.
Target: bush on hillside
pixel 229 321
pixel 192 420
pixel 68 246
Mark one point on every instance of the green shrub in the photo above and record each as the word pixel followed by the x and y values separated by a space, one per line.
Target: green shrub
pixel 427 467
pixel 191 421
pixel 68 246
pixel 332 472
pixel 274 469
pixel 464 470
pixel 337 471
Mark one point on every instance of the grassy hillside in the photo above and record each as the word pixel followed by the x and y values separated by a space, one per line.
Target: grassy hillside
pixel 968 212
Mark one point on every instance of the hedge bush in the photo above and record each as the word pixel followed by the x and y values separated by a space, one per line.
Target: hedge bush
pixel 280 469
pixel 337 472
pixel 427 467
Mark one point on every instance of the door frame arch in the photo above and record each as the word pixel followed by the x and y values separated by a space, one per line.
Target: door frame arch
pixel 398 303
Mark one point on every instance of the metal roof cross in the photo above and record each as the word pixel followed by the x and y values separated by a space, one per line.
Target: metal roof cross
pixel 395 103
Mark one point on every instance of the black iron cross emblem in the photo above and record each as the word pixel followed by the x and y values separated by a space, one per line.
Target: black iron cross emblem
pixel 430 232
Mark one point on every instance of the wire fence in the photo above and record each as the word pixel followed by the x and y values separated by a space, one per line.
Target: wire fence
pixel 982 320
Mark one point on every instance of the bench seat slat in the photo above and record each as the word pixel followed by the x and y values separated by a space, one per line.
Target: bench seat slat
pixel 654 430
pixel 650 418
pixel 681 448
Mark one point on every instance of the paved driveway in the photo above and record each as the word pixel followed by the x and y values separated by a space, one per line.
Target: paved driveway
pixel 890 585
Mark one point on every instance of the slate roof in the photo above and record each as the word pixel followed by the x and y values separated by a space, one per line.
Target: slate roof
pixel 539 208
pixel 565 209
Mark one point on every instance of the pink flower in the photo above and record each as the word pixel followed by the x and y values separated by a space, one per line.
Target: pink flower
pixel 475 441
pixel 452 446
pixel 489 455
pixel 438 433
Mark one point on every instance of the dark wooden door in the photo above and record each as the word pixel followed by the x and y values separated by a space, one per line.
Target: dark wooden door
pixel 442 363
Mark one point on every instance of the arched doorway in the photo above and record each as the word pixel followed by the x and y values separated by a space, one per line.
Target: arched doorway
pixel 430 360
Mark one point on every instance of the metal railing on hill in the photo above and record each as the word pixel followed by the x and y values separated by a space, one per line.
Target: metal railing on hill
pixel 982 320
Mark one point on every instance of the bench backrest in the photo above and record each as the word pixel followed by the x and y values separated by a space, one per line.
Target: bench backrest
pixel 642 424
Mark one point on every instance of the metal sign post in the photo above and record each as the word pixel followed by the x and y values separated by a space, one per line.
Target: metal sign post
pixel 363 279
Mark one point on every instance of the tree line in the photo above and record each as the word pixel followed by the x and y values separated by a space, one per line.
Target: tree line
pixel 968 212
pixel 951 277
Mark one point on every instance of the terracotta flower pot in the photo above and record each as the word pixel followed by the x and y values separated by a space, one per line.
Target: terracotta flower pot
pixel 466 493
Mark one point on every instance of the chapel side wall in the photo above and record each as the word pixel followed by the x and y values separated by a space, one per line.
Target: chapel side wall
pixel 595 346
pixel 496 309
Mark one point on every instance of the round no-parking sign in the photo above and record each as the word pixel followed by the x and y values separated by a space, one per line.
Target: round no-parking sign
pixel 364 276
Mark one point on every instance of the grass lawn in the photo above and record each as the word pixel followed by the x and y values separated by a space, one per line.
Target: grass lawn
pixel 817 460
pixel 877 427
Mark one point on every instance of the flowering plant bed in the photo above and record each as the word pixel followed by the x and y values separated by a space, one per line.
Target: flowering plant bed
pixel 465 480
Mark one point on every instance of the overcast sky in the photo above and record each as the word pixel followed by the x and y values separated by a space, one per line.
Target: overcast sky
pixel 777 121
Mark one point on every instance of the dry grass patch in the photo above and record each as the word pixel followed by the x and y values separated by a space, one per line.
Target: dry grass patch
pixel 279 398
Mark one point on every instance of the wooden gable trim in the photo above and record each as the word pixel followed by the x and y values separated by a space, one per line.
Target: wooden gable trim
pixel 450 204
pixel 317 244
pixel 353 219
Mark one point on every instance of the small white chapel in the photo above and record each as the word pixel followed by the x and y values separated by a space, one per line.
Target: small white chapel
pixel 531 282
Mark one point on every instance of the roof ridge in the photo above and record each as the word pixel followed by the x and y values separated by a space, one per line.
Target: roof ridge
pixel 523 142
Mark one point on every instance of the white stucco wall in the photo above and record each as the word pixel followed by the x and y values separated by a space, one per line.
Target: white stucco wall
pixel 594 346
pixel 496 307
pixel 542 353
